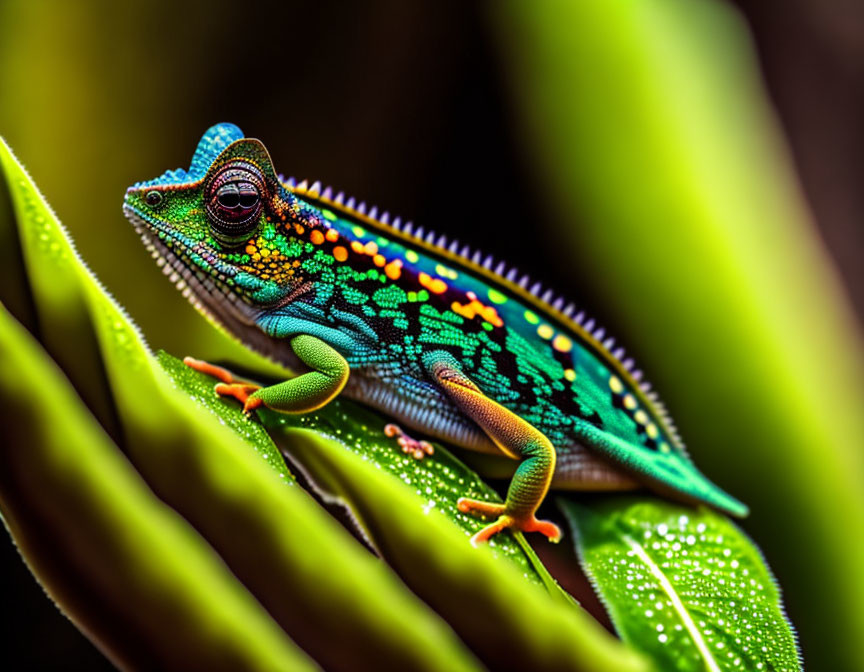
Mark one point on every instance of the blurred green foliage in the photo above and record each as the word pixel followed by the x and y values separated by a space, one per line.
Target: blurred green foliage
pixel 646 121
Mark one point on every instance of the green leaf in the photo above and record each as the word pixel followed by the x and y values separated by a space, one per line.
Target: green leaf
pixel 125 568
pixel 199 388
pixel 684 585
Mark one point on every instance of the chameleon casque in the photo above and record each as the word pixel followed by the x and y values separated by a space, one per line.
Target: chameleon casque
pixel 398 320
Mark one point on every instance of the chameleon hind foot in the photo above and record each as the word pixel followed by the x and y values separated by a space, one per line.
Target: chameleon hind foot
pixel 417 449
pixel 506 521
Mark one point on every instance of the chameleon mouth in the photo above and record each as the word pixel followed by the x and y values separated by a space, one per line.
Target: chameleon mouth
pixel 209 294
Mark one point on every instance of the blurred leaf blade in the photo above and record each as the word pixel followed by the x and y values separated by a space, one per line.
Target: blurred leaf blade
pixel 316 581
pixel 652 131
pixel 125 568
pixel 684 585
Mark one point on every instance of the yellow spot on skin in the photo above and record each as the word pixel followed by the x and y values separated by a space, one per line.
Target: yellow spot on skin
pixel 641 417
pixel 616 385
pixel 332 235
pixel 317 237
pixel 651 430
pixel 545 332
pixel 497 297
pixel 570 374
pixel 340 253
pixel 474 308
pixel 442 270
pixel 393 270
pixel 371 247
pixel 630 402
pixel 562 343
pixel 265 252
pixel 412 256
pixel 379 260
pixel 358 231
pixel 434 285
pixel 531 318
pixel 664 447
pixel 357 246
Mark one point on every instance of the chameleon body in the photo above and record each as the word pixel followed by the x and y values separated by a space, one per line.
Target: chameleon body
pixel 397 320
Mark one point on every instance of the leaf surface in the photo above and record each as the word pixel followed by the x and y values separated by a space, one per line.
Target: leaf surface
pixel 684 585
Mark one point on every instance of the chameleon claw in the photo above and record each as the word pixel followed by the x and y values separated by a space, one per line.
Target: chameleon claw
pixel 409 445
pixel 505 521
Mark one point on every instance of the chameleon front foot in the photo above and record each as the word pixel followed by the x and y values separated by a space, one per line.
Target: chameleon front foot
pixel 506 521
pixel 415 448
pixel 229 385
pixel 242 392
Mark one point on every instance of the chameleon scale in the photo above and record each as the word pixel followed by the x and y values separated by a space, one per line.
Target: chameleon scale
pixel 430 333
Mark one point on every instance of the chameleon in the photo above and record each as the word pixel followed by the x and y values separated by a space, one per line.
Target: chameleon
pixel 395 317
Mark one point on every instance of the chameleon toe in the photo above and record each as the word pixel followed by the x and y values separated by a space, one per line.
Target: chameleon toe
pixel 242 392
pixel 416 448
pixel 477 507
pixel 221 374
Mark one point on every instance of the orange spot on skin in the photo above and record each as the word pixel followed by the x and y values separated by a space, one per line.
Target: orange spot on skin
pixel 332 235
pixel 434 285
pixel 371 247
pixel 393 270
pixel 562 344
pixel 300 229
pixel 317 237
pixel 251 249
pixel 475 308
pixel 379 260
pixel 340 253
pixel 357 246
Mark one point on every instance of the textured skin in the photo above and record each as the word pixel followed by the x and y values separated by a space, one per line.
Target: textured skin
pixel 395 307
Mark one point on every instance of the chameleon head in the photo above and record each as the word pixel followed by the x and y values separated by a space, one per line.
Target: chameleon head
pixel 226 231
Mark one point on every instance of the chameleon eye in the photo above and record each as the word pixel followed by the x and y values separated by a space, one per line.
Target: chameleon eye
pixel 153 198
pixel 234 202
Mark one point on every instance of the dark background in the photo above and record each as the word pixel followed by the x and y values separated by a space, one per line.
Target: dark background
pixel 405 105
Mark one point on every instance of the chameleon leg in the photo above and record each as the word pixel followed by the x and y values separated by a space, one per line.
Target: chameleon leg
pixel 517 439
pixel 307 392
